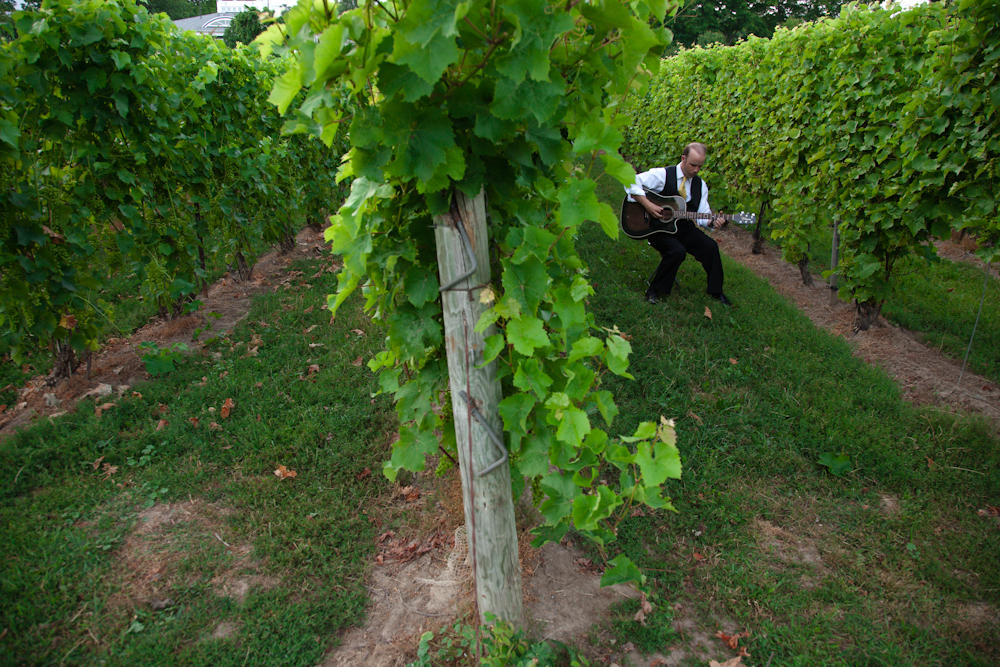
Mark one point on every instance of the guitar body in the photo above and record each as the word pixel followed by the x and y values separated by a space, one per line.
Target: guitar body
pixel 638 224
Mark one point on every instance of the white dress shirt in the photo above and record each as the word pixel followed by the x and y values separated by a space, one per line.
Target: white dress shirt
pixel 655 179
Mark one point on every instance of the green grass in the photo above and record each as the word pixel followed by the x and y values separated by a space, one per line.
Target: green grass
pixel 886 565
pixel 78 568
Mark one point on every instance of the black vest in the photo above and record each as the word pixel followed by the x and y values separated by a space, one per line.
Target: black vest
pixel 670 189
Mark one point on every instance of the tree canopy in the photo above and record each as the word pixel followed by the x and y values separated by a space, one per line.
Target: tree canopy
pixel 244 28
pixel 737 19
pixel 180 9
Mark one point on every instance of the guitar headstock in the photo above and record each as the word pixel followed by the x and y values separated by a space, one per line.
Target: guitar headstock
pixel 744 218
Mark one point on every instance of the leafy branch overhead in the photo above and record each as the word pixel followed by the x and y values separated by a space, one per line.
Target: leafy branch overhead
pixel 511 99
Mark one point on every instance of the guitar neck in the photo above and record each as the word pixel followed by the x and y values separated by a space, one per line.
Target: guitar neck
pixel 689 215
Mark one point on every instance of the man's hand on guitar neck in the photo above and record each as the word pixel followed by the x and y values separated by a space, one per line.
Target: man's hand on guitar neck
pixel 717 223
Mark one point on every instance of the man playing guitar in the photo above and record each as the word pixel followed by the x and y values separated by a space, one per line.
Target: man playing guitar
pixel 682 181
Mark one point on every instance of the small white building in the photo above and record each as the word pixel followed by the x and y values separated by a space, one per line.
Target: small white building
pixel 207 24
pixel 237 6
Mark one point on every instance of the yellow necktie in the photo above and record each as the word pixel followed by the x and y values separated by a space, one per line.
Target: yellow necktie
pixel 683 189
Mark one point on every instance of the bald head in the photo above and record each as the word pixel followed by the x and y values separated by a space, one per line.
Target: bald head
pixel 692 159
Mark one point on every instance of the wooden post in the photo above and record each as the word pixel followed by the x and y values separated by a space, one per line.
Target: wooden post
pixel 834 259
pixel 489 507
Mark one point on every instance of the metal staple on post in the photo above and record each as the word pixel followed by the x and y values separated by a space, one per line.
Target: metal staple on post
pixel 468 251
pixel 489 429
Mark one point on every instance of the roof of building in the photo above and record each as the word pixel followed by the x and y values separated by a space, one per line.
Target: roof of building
pixel 209 24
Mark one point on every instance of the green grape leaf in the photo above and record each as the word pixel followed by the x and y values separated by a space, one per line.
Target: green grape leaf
pixel 534 457
pixel 286 87
pixel 539 99
pixel 514 411
pixel 658 461
pixel 494 345
pixel 838 464
pixel 622 571
pixel 527 282
pixel 585 347
pixel 527 334
pixel 606 405
pixel 420 286
pixel 430 61
pixel 530 377
pixel 413 330
pixel 537 29
pixel 574 426
pixel 590 510
pixel 577 203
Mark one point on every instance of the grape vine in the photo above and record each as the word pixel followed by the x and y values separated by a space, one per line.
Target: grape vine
pixel 516 99
pixel 125 143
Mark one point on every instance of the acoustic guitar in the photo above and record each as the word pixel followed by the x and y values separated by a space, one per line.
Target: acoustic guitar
pixel 638 224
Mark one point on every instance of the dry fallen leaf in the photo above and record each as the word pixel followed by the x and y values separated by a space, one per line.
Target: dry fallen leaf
pixel 695 417
pixel 358 331
pixel 212 426
pixel 283 473
pixel 734 640
pixel 708 312
pixel 361 475
pixel 313 368
pixel 194 421
pixel 735 662
pixel 259 385
pixel 97 463
pixel 733 361
pixel 310 329
pixel 308 310
pixel 640 617
pixel 162 424
pixel 357 362
pixel 136 395
pixel 226 408
pixel 101 408
pixel 109 470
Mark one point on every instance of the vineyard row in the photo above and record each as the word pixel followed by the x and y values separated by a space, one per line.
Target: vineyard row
pixel 883 122
pixel 127 146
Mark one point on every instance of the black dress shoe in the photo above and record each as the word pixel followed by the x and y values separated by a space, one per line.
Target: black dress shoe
pixel 652 296
pixel 722 298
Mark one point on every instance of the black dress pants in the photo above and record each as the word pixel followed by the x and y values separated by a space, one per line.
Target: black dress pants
pixel 674 247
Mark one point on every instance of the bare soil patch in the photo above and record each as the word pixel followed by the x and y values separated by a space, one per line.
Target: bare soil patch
pixel 163 535
pixel 925 376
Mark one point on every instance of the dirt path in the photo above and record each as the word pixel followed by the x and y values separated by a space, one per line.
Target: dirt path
pixel 925 376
